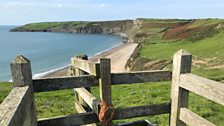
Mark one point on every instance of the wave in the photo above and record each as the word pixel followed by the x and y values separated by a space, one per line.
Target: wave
pixel 108 49
pixel 39 75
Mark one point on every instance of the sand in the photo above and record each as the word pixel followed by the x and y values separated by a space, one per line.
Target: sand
pixel 118 55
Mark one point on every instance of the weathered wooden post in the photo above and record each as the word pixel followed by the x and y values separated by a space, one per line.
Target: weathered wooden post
pixel 105 81
pixel 105 90
pixel 22 76
pixel 179 96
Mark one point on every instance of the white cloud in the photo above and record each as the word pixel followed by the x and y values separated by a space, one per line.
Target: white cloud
pixel 103 5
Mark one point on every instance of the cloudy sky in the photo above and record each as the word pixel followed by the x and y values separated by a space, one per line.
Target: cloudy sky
pixel 18 12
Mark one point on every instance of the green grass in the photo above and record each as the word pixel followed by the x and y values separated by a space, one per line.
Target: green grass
pixel 154 20
pixel 57 103
pixel 151 30
pixel 206 48
pixel 52 25
pixel 5 88
pixel 205 22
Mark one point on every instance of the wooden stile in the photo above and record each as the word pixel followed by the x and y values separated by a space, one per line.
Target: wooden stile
pixel 19 106
pixel 84 100
pixel 79 72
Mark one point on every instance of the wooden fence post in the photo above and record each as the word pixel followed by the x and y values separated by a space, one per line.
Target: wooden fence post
pixel 179 96
pixel 105 81
pixel 22 76
pixel 105 87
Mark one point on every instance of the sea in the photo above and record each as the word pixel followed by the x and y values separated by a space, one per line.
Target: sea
pixel 48 51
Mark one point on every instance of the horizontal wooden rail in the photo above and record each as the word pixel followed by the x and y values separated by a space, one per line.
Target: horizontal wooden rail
pixel 88 98
pixel 209 89
pixel 59 83
pixel 192 119
pixel 87 66
pixel 140 111
pixel 70 120
pixel 140 77
pixel 14 110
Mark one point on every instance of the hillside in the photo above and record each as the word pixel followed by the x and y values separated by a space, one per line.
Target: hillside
pixel 160 39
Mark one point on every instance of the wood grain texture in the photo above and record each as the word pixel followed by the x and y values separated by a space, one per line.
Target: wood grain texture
pixel 15 109
pixel 80 109
pixel 88 98
pixel 209 89
pixel 22 76
pixel 59 83
pixel 179 97
pixel 85 65
pixel 140 77
pixel 70 120
pixel 192 119
pixel 140 111
pixel 21 71
pixel 105 81
pixel 79 72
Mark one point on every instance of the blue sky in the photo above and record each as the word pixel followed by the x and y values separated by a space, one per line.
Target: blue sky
pixel 18 12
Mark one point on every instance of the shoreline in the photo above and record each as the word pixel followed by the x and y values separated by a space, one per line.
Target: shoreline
pixel 60 70
pixel 119 55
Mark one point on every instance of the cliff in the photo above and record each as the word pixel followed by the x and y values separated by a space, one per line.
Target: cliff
pixel 121 27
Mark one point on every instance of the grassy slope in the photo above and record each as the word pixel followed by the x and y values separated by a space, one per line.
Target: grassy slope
pixel 207 48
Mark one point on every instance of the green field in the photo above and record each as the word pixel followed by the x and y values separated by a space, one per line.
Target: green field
pixel 57 103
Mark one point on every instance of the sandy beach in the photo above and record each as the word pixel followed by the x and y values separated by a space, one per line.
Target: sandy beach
pixel 118 55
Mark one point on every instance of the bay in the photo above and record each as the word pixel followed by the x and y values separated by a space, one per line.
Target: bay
pixel 48 51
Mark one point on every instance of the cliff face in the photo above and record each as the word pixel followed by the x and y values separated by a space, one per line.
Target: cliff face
pixel 108 27
pixel 105 27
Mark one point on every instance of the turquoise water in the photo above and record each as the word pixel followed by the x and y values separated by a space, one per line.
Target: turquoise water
pixel 48 51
